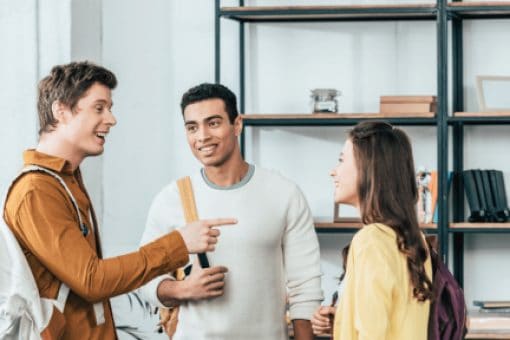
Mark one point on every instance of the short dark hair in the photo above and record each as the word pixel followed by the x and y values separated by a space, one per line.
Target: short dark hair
pixel 210 91
pixel 67 84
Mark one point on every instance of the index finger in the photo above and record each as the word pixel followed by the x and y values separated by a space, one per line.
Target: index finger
pixel 220 221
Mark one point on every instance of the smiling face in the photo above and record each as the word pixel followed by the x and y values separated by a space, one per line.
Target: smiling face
pixel 345 177
pixel 84 129
pixel 211 136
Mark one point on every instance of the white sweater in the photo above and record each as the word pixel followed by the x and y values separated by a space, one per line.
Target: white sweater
pixel 270 253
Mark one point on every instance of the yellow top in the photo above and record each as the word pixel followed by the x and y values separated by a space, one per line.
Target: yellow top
pixel 377 301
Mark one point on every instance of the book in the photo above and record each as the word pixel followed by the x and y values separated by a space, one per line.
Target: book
pixel 479 321
pixel 408 99
pixel 489 199
pixel 501 189
pixel 407 107
pixel 491 303
pixel 433 194
pixel 495 310
pixel 449 181
pixel 497 185
pixel 477 174
pixel 470 189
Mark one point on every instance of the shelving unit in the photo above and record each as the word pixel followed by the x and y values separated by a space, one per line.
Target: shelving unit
pixel 425 11
pixel 458 13
pixel 442 13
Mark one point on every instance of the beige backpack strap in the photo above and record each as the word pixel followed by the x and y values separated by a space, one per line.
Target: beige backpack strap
pixel 169 317
pixel 190 210
pixel 187 199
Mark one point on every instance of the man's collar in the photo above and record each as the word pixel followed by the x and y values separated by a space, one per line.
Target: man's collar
pixel 54 163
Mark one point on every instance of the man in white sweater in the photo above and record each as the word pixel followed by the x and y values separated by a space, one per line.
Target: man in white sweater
pixel 270 258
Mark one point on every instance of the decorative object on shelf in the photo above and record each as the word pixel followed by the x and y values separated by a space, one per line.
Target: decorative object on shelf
pixel 426 182
pixel 338 219
pixel 493 93
pixel 398 106
pixel 324 100
pixel 486 195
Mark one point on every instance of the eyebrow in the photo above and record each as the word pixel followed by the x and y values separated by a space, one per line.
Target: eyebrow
pixel 102 101
pixel 207 119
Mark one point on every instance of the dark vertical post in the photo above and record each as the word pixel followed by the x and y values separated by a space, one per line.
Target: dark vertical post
pixel 442 126
pixel 217 42
pixel 242 81
pixel 458 146
pixel 242 61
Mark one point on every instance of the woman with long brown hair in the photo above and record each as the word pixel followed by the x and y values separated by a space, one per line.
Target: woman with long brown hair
pixel 387 285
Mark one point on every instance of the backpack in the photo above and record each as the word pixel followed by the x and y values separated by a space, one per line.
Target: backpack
pixel 447 318
pixel 24 314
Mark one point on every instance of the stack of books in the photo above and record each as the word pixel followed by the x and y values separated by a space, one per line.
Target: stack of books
pixel 486 195
pixel 401 106
pixel 491 317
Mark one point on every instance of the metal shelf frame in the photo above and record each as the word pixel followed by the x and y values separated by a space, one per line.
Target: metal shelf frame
pixel 330 13
pixel 442 12
pixel 478 10
pixel 478 120
pixel 333 121
pixel 488 230
pixel 457 12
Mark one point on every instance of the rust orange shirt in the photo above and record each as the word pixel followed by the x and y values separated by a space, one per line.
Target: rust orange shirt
pixel 44 220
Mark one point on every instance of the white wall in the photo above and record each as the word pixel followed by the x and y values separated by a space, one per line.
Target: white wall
pixel 34 35
pixel 160 50
pixel 18 70
pixel 86 44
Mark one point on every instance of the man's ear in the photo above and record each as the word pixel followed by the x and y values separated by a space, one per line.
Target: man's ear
pixel 238 125
pixel 59 111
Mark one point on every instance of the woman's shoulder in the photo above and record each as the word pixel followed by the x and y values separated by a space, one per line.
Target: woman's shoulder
pixel 376 236
pixel 375 231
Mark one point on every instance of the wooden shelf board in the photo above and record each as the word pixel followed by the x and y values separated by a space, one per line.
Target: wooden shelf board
pixel 466 225
pixel 357 225
pixel 338 225
pixel 480 9
pixel 481 114
pixel 487 335
pixel 324 12
pixel 478 3
pixel 339 116
pixel 244 9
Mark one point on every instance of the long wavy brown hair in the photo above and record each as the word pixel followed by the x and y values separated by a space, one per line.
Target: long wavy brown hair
pixel 388 194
